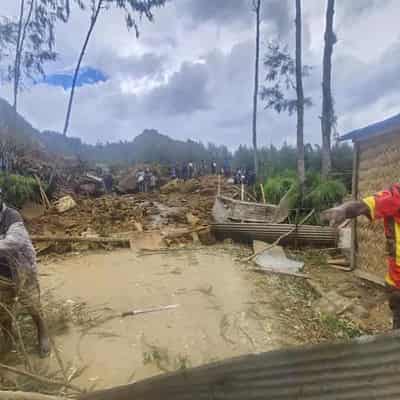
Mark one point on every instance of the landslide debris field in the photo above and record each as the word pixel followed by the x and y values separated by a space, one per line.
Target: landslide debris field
pixel 212 304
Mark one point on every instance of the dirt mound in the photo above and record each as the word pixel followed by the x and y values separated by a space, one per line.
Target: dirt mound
pixel 105 216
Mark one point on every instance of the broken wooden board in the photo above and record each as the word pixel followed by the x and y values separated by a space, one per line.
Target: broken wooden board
pixel 38 238
pixel 272 271
pixel 367 276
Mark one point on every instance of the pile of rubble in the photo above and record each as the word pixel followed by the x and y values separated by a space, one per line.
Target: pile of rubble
pixel 179 216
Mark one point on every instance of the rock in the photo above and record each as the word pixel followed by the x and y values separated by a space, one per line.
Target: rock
pixel 65 203
pixel 128 183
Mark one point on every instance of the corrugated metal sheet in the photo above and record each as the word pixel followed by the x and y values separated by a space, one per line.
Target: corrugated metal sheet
pixel 379 128
pixel 365 369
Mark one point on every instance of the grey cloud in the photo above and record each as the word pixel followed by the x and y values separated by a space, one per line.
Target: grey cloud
pixel 221 11
pixel 358 7
pixel 278 13
pixel 185 92
pixel 364 84
pixel 147 65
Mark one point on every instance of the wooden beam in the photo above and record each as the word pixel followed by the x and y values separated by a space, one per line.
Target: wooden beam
pixel 38 238
pixel 356 163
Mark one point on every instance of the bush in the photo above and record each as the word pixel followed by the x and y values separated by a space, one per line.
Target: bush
pixel 18 189
pixel 277 186
pixel 326 194
pixel 319 193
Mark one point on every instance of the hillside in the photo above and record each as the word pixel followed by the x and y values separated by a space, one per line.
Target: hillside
pixel 149 146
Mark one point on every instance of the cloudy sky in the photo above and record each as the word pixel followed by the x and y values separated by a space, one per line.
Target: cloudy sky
pixel 190 73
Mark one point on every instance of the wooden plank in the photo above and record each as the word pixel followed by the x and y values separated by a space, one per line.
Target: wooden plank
pixel 39 238
pixel 263 193
pixel 273 271
pixel 366 276
pixel 354 188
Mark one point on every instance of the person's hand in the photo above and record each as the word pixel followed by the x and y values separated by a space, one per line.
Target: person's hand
pixel 335 216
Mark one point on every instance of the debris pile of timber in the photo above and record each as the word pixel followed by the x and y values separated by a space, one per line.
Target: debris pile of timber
pixel 301 234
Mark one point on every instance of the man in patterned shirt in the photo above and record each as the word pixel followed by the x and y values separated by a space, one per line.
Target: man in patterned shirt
pixel 18 277
pixel 384 205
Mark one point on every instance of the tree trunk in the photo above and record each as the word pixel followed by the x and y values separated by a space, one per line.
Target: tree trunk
pixel 255 96
pixel 300 96
pixel 22 29
pixel 78 66
pixel 17 63
pixel 327 117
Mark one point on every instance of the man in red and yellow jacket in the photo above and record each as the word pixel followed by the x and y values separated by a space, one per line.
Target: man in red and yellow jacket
pixel 383 205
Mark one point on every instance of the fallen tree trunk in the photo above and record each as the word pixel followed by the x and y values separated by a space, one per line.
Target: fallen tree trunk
pixel 290 234
pixel 38 238
pixel 179 233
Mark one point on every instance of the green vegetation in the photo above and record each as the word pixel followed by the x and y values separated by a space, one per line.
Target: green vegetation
pixel 340 327
pixel 18 189
pixel 319 193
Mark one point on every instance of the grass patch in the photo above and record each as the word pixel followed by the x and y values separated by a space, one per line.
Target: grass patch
pixel 340 328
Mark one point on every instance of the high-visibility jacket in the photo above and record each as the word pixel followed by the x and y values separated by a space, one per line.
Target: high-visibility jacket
pixel 386 205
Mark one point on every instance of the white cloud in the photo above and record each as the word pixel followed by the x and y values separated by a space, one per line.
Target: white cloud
pixel 218 85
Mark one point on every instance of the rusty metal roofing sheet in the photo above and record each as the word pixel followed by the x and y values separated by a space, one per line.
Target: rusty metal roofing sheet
pixel 364 369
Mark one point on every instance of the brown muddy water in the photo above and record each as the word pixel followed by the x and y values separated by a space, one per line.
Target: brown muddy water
pixel 221 312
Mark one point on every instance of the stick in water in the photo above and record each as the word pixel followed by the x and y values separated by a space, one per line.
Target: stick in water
pixel 149 310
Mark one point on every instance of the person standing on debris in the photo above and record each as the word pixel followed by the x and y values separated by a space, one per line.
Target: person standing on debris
pixel 203 168
pixel 174 174
pixel 184 171
pixel 140 181
pixel 384 205
pixel 147 180
pixel 190 170
pixel 153 182
pixel 213 167
pixel 108 182
pixel 19 284
pixel 227 168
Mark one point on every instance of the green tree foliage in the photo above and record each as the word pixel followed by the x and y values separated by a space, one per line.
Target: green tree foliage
pixel 280 92
pixel 27 42
pixel 18 189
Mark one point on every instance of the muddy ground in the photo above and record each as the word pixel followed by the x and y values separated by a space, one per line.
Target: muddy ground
pixel 220 313
pixel 224 310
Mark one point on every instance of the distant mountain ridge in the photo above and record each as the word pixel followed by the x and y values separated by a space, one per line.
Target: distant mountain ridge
pixel 150 146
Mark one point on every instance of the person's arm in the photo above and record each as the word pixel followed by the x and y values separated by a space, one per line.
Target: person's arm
pixel 349 210
pixel 381 205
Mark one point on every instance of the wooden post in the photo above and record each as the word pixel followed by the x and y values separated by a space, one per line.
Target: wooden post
pixel 242 193
pixel 219 185
pixel 353 250
pixel 262 193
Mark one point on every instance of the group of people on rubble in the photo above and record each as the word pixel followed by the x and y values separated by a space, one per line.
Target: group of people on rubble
pixel 146 180
pixel 188 170
pixel 243 176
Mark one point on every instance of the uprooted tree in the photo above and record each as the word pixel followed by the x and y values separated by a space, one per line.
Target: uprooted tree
pixel 132 8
